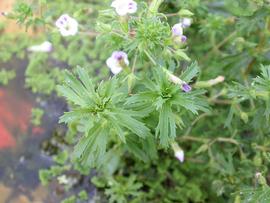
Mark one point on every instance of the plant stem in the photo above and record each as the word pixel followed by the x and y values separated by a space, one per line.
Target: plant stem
pixel 134 62
pixel 118 34
pixel 150 57
pixel 207 140
pixel 171 14
pixel 90 33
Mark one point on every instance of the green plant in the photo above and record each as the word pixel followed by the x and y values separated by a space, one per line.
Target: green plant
pixel 6 76
pixel 160 102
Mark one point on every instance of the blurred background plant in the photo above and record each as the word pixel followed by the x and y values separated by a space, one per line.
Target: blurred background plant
pixel 225 148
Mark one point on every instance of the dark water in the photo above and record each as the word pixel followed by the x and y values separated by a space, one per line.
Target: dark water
pixel 21 156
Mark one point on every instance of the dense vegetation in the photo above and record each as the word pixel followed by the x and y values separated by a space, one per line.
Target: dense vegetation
pixel 181 113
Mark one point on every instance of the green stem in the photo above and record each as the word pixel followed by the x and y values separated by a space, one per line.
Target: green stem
pixel 118 34
pixel 155 4
pixel 134 62
pixel 150 57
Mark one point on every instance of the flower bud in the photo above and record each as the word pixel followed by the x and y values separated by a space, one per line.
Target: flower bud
pixel 186 87
pixel 210 83
pixel 176 80
pixel 44 47
pixel 178 152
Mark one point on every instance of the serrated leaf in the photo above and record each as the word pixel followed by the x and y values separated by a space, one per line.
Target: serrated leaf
pixel 133 125
pixel 191 72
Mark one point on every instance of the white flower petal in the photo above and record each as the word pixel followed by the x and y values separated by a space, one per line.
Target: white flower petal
pixel 123 7
pixel 113 65
pixel 116 3
pixel 177 29
pixel 111 62
pixel 180 155
pixel 116 70
pixel 44 47
pixel 186 22
pixel 116 61
pixel 67 25
pixel 121 10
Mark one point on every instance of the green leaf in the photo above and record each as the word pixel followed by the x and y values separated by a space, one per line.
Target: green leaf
pixel 166 126
pixel 191 72
pixel 133 125
pixel 182 55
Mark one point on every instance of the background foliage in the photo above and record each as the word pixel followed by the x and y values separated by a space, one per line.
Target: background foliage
pixel 224 129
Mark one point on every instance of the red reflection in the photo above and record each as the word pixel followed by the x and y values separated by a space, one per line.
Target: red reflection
pixel 6 140
pixel 37 130
pixel 15 115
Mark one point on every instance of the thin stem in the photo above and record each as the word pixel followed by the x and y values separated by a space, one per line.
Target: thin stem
pixel 118 34
pixel 224 41
pixel 196 139
pixel 134 62
pixel 90 33
pixel 172 14
pixel 198 161
pixel 259 49
pixel 195 121
pixel 228 140
pixel 218 46
pixel 207 140
pixel 150 57
pixel 220 101
pixel 252 104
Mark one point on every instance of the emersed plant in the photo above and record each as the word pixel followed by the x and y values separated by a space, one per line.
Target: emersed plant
pixel 127 126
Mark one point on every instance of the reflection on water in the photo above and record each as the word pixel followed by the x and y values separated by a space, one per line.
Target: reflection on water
pixel 20 154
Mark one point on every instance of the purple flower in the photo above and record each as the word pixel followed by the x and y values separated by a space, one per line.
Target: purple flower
pixel 67 26
pixel 183 38
pixel 186 87
pixel 117 61
pixel 123 7
pixel 177 30
pixel 176 80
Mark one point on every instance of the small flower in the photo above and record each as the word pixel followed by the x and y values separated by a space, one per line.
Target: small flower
pixel 183 38
pixel 117 62
pixel 177 30
pixel 258 175
pixel 180 155
pixel 178 152
pixel 186 22
pixel 44 47
pixel 67 26
pixel 186 88
pixel 176 80
pixel 123 7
